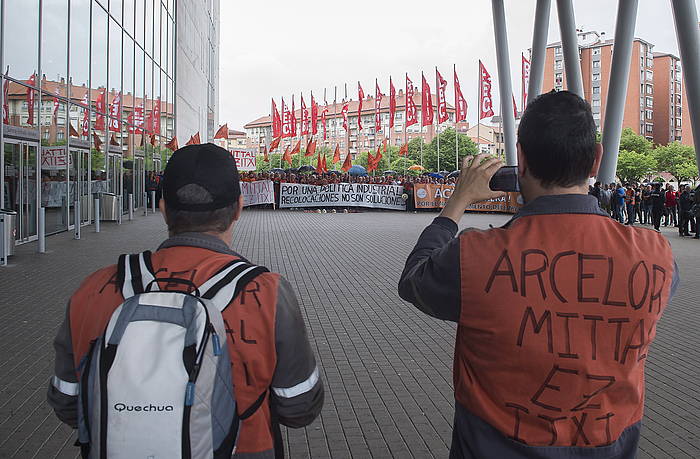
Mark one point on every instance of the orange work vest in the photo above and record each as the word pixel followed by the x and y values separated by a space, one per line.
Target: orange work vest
pixel 249 320
pixel 557 314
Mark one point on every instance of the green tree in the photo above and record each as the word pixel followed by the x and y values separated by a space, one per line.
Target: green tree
pixel 447 160
pixel 631 141
pixel 678 160
pixel 401 163
pixel 633 166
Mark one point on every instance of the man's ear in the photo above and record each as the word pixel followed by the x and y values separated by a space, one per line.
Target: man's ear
pixel 522 164
pixel 239 209
pixel 598 152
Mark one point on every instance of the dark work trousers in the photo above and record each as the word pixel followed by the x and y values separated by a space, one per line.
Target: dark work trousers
pixel 683 221
pixel 630 214
pixel 671 216
pixel 656 218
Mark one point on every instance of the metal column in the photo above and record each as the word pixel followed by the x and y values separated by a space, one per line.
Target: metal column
pixel 42 230
pixel 686 18
pixel 617 91
pixel 539 49
pixel 569 43
pixel 504 81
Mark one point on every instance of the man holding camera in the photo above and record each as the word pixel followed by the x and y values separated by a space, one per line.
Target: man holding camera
pixel 556 310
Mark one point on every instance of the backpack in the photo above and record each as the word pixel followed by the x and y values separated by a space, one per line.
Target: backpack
pixel 157 383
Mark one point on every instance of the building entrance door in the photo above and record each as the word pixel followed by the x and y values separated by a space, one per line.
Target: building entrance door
pixel 21 186
pixel 139 182
pixel 79 174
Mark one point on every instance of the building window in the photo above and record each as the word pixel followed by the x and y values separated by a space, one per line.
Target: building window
pixel 649 127
pixel 557 50
pixel 596 103
pixel 678 122
pixel 596 64
pixel 650 114
pixel 650 89
pixel 558 65
pixel 649 75
pixel 596 77
pixel 650 102
pixel 596 51
pixel 596 90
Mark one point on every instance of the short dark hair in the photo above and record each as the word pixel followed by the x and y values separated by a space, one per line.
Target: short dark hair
pixel 185 221
pixel 557 135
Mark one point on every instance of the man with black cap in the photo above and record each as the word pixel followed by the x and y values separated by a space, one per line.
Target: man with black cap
pixel 273 365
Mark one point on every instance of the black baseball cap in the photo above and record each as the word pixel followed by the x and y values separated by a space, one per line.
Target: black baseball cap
pixel 207 165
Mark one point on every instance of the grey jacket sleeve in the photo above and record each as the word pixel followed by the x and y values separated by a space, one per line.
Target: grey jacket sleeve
pixel 431 277
pixel 63 387
pixel 297 390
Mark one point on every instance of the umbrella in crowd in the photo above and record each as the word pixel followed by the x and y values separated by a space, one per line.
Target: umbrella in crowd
pixel 277 170
pixel 434 175
pixel 291 170
pixel 307 168
pixel 444 173
pixel 334 172
pixel 453 174
pixel 389 172
pixel 357 171
pixel 416 167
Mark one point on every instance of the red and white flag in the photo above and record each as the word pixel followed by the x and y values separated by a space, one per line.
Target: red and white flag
pixel 304 117
pixel 100 108
pixel 485 99
pixel 294 119
pixel 114 112
pixel 314 116
pixel 56 104
pixel 460 101
pixel 276 121
pixel 155 116
pixel 411 110
pixel 85 124
pixel 377 107
pixel 392 103
pixel 360 98
pixel 5 102
pixel 515 108
pixel 286 121
pixel 135 119
pixel 426 103
pixel 441 86
pixel 344 113
pixel 525 70
pixel 30 99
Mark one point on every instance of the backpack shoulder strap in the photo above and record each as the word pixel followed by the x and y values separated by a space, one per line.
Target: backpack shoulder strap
pixel 225 285
pixel 134 273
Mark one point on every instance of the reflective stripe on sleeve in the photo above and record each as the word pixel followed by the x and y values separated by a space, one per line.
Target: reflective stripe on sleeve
pixel 300 388
pixel 65 387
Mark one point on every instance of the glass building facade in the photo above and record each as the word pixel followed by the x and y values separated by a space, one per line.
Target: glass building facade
pixel 88 104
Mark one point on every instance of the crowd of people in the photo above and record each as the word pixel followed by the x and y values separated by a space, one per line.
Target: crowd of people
pixel 332 177
pixel 651 204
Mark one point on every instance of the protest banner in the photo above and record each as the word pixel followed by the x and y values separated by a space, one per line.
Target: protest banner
pixel 342 195
pixel 245 159
pixel 54 158
pixel 435 196
pixel 258 192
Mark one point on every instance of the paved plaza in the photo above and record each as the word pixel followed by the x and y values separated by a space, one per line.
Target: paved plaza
pixel 386 366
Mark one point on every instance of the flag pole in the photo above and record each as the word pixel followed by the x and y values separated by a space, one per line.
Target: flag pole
pixel 422 114
pixel 478 113
pixel 376 133
pixel 454 72
pixel 347 123
pixel 437 125
pixel 335 116
pixel 405 121
pixel 388 128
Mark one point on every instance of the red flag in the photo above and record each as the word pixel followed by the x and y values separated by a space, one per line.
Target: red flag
pixel 460 101
pixel 222 133
pixel 275 143
pixel 426 104
pixel 515 108
pixel 135 119
pixel 304 117
pixel 194 140
pixel 85 124
pixel 441 96
pixel 384 145
pixel 336 154
pixel 294 119
pixel 377 107
pixel 5 101
pixel 100 108
pixel 403 151
pixel 525 72
pixel 370 161
pixel 485 100
pixel 155 116
pixel 310 148
pixel 344 113
pixel 360 97
pixel 323 121
pixel 377 158
pixel 297 148
pixel 276 120
pixel 314 116
pixel 172 145
pixel 114 113
pixel 324 164
pixel 287 156
pixel 97 141
pixel 153 140
pixel 286 121
pixel 30 99
pixel 71 131
pixel 347 164
pixel 319 164
pixel 411 110
pixel 56 104
pixel 392 103
pixel 113 141
pixel 265 157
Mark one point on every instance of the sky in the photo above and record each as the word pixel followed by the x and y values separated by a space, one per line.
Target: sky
pixel 280 47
